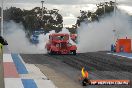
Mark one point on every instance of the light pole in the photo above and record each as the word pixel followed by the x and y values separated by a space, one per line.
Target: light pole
pixel 42 9
pixel 1 17
pixel 104 7
pixel 114 31
pixel 115 8
pixel 115 27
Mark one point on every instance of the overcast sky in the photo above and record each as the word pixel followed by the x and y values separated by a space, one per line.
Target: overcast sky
pixel 68 8
pixel 67 2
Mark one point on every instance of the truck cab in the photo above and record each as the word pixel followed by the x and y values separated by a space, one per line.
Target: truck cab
pixel 59 44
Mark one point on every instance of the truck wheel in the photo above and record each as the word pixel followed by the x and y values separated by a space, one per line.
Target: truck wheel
pixel 48 52
pixel 74 52
pixel 52 52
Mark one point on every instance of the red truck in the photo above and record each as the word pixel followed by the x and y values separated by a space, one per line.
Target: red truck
pixel 59 44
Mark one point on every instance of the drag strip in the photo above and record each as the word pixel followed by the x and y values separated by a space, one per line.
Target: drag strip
pixel 99 64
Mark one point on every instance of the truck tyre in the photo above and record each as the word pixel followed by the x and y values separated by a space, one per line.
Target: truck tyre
pixel 48 51
pixel 74 52
pixel 52 52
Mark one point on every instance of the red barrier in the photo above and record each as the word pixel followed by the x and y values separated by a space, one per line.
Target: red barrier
pixel 123 45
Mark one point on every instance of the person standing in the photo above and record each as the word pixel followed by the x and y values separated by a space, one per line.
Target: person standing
pixel 84 77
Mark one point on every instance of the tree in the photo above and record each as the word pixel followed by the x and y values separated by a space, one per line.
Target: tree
pixel 94 16
pixel 32 19
pixel 13 13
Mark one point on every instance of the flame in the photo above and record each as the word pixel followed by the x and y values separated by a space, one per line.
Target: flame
pixel 84 73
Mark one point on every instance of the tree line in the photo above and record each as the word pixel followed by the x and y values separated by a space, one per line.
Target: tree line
pixel 52 19
pixel 33 19
pixel 103 9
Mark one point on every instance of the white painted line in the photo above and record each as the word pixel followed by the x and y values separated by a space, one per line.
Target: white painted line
pixel 13 83
pixel 6 50
pixel 120 55
pixel 109 53
pixel 21 59
pixel 7 58
pixel 33 73
pixel 44 84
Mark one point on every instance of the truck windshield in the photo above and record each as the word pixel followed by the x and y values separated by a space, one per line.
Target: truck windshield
pixel 60 37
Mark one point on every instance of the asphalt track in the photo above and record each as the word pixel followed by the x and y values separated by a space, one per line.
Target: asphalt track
pixel 99 64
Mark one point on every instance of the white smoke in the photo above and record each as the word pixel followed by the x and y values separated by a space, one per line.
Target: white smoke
pixel 95 36
pixel 98 36
pixel 18 42
pixel 64 30
pixel 43 39
pixel 126 8
pixel 16 38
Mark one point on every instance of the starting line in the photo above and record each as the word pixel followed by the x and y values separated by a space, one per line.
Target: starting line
pixel 18 74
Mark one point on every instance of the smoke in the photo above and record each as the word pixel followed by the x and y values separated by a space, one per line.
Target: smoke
pixel 94 36
pixel 18 43
pixel 126 8
pixel 43 39
pixel 98 36
pixel 64 30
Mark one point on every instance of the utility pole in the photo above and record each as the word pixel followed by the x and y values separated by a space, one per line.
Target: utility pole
pixel 1 17
pixel 115 8
pixel 104 7
pixel 116 35
pixel 42 9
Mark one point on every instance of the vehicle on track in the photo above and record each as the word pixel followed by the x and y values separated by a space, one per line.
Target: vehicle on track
pixel 59 44
pixel 34 39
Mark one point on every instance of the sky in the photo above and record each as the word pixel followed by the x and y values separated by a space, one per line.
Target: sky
pixel 69 9
pixel 66 2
